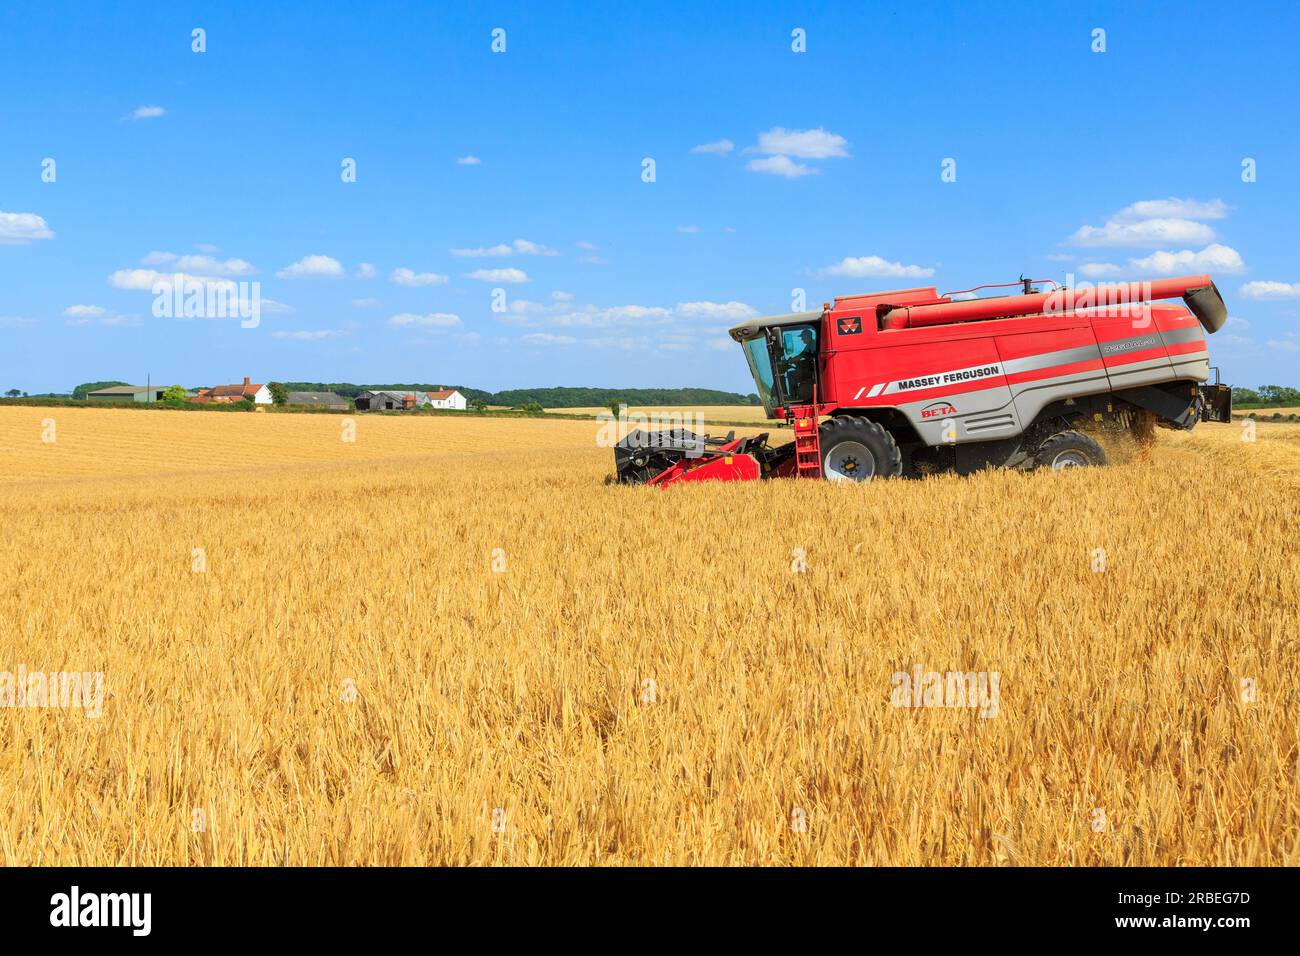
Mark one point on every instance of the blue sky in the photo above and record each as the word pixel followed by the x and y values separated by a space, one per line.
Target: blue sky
pixel 226 165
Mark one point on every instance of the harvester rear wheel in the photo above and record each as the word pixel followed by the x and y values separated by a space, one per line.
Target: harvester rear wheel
pixel 1070 450
pixel 855 449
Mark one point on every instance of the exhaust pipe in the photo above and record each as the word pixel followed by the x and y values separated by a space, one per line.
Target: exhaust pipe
pixel 1198 292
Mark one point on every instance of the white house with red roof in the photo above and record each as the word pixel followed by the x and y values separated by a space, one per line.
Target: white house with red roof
pixel 447 398
pixel 222 394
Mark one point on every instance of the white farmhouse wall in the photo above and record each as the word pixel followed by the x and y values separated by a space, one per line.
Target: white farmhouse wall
pixel 454 400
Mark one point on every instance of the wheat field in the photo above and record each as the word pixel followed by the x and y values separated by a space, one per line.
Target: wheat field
pixel 449 642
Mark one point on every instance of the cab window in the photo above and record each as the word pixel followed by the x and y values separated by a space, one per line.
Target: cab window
pixel 797 365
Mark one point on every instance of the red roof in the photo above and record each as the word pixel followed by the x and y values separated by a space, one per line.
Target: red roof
pixel 231 391
pixel 442 394
pixel 238 391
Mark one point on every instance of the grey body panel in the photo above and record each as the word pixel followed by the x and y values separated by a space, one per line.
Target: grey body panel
pixel 976 416
pixel 1189 365
pixel 1149 372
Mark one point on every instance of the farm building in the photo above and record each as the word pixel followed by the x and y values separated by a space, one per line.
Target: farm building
pixel 391 401
pixel 326 399
pixel 127 393
pixel 447 398
pixel 223 394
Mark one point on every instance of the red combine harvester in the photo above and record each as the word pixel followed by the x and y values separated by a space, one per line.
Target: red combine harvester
pixel 909 381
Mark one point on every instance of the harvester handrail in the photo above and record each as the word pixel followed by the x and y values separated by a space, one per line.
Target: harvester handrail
pixel 999 285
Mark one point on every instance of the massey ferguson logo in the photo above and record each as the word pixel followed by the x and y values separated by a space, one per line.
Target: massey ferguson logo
pixel 936 409
pixel 849 325
pixel 957 376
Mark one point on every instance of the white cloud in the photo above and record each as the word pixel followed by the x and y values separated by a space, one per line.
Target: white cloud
pixel 507 276
pixel 469 161
pixel 15 322
pixel 719 311
pixel 144 279
pixel 1265 289
pixel 545 338
pixel 593 260
pixel 688 228
pixel 272 307
pixel 366 271
pixel 626 326
pixel 82 315
pixel 525 307
pixel 312 335
pixel 1099 270
pixel 526 248
pixel 781 166
pixel 1215 257
pixel 562 296
pixel 588 246
pixel 409 277
pixel 520 247
pixel 146 112
pixel 201 264
pixel 1172 209
pixel 524 313
pixel 719 147
pixel 206 247
pixel 1289 344
pixel 1148 232
pixel 863 267
pixel 617 315
pixel 20 228
pixel 367 303
pixel 804 143
pixel 626 343
pixel 483 252
pixel 312 267
pixel 433 320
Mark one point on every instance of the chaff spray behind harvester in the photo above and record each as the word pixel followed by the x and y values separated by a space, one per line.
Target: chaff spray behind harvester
pixel 908 381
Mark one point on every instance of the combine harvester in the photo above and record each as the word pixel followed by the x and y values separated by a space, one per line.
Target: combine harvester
pixel 911 381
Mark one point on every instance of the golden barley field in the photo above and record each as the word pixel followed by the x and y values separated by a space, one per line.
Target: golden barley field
pixel 448 642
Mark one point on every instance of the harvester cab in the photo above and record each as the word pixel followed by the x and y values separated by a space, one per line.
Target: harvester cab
pixel 784 360
pixel 911 381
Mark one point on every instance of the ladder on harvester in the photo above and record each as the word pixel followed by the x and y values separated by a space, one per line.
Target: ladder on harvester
pixel 807 448
pixel 807 441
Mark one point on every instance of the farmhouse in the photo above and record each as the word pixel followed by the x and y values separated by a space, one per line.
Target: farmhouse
pixel 127 393
pixel 447 398
pixel 325 399
pixel 224 394
pixel 390 401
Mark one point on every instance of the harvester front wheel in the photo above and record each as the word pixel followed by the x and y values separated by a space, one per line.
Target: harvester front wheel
pixel 1070 450
pixel 855 449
